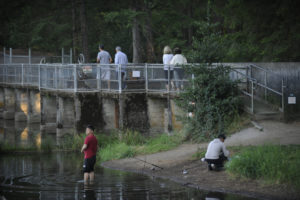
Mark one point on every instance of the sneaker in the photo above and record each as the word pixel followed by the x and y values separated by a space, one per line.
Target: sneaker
pixel 203 159
pixel 213 166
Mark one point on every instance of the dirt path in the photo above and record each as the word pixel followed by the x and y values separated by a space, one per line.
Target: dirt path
pixel 174 161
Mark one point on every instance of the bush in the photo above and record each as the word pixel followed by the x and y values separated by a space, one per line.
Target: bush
pixel 273 163
pixel 116 151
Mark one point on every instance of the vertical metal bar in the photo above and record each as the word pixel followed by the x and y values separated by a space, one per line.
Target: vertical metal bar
pixel 169 85
pixel 71 56
pixel 55 78
pixel 62 55
pixel 252 98
pixel 39 76
pixel 146 77
pixel 75 77
pixel 265 85
pixel 22 74
pixel 98 77
pixel 120 78
pixel 29 55
pixel 10 55
pixel 282 96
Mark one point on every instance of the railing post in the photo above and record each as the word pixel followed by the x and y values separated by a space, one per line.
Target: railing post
pixel 282 96
pixel 99 86
pixel 10 55
pixel 252 98
pixel 22 75
pixel 265 85
pixel 55 78
pixel 29 55
pixel 169 82
pixel 120 78
pixel 39 77
pixel 146 77
pixel 75 77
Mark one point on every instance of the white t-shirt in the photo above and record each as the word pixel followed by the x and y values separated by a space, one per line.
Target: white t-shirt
pixel 166 61
pixel 215 148
pixel 178 59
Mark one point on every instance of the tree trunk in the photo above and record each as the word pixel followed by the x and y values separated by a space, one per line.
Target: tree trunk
pixel 84 36
pixel 190 28
pixel 136 39
pixel 74 31
pixel 151 58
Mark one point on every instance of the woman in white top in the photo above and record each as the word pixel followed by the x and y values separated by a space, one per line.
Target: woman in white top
pixel 167 57
pixel 178 59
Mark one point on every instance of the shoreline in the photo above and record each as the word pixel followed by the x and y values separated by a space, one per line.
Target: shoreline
pixel 199 177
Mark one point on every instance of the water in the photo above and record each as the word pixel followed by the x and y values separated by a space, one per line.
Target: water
pixel 59 176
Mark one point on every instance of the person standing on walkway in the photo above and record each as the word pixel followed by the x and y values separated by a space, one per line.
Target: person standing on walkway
pixel 216 153
pixel 178 59
pixel 104 59
pixel 167 57
pixel 121 59
pixel 89 148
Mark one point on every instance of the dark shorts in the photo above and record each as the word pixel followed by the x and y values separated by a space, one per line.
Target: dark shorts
pixel 88 165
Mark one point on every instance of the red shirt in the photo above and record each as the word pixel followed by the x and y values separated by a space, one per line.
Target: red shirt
pixel 92 143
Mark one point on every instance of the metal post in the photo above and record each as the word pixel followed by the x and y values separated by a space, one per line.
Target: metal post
pixel 39 77
pixel 282 96
pixel 29 55
pixel 265 85
pixel 4 50
pixel 75 77
pixel 252 98
pixel 169 85
pixel 99 77
pixel 120 78
pixel 22 74
pixel 71 60
pixel 62 55
pixel 10 55
pixel 55 77
pixel 146 77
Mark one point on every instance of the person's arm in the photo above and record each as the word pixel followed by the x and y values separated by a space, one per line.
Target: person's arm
pixel 83 147
pixel 225 151
pixel 110 60
pixel 98 58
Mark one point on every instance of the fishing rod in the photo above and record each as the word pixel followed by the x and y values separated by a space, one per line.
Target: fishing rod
pixel 149 163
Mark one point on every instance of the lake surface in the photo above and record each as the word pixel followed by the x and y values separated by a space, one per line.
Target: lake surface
pixel 59 176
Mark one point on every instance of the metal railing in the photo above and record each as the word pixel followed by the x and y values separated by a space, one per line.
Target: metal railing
pixel 96 77
pixel 258 88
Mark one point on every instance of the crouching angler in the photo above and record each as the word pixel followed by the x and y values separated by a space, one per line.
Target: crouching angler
pixel 216 153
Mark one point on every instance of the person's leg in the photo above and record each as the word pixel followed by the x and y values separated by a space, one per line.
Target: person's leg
pixel 176 78
pixel 92 176
pixel 166 78
pixel 86 177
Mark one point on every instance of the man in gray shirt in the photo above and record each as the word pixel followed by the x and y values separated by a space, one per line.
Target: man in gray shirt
pixel 121 59
pixel 104 59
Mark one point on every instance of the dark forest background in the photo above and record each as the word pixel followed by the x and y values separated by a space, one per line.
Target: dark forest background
pixel 248 30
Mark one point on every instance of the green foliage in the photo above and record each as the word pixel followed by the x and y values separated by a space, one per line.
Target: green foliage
pixel 47 144
pixel 6 147
pixel 120 149
pixel 132 138
pixel 272 163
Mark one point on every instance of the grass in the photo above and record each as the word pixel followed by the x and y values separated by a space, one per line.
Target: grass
pixel 271 163
pixel 138 145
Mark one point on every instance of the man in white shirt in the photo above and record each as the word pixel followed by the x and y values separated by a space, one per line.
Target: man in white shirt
pixel 216 153
pixel 121 59
pixel 104 59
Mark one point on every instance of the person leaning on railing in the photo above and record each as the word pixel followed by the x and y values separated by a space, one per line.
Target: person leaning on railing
pixel 178 59
pixel 104 59
pixel 167 57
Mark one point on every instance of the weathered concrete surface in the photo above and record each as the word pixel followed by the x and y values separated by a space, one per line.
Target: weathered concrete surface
pixel 109 113
pixel 65 117
pixel 22 105
pixel 48 114
pixel 156 114
pixel 177 112
pixel 9 104
pixel 34 115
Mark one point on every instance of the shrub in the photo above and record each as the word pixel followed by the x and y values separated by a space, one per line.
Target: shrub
pixel 273 163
